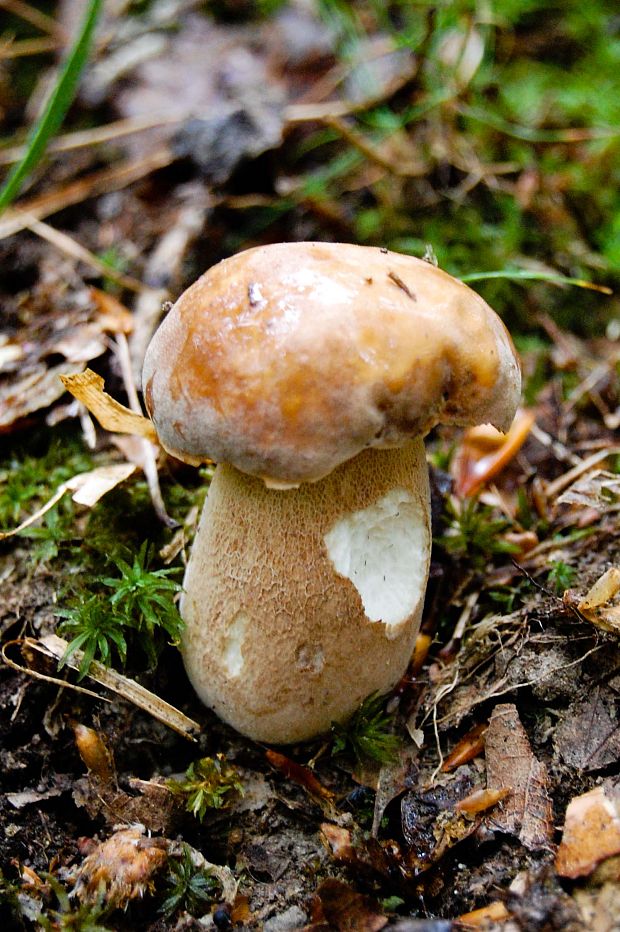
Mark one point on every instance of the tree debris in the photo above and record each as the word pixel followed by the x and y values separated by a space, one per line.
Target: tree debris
pixel 527 812
pixel 591 831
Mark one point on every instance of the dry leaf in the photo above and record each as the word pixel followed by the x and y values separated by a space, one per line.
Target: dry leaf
pixel 62 783
pixel 599 489
pixel 485 451
pixel 527 813
pixel 480 800
pixel 591 832
pixel 54 647
pixel 303 776
pixel 87 487
pixel 338 908
pixel 493 912
pixel 604 589
pixel 150 803
pixel 587 736
pixel 470 746
pixel 87 387
pixel 601 605
pixel 31 391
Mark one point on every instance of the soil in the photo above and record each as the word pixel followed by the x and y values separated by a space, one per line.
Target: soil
pixel 508 715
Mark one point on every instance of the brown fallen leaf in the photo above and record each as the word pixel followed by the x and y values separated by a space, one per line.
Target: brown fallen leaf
pixel 485 451
pixel 87 387
pixel 587 736
pixel 469 747
pixel 338 908
pixel 299 774
pixel 481 800
pixel 527 812
pixel 149 803
pixel 493 912
pixel 591 831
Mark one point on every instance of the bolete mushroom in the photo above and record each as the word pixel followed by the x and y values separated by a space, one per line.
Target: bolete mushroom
pixel 311 372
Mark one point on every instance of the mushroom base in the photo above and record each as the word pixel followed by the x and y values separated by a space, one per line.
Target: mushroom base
pixel 299 604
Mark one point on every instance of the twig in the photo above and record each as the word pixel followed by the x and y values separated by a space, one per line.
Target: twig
pixel 149 451
pixel 75 250
pixel 24 47
pixel 55 648
pixel 33 16
pixel 562 482
pixel 101 182
pixel 92 137
pixel 407 169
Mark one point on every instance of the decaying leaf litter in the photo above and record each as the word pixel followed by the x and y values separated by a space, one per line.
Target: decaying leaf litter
pixel 446 129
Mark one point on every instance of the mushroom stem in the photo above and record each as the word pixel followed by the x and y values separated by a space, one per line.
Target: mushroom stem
pixel 300 603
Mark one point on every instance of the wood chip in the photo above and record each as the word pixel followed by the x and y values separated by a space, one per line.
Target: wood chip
pixel 527 812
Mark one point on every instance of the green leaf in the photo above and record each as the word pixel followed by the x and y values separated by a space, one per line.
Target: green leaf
pixel 54 113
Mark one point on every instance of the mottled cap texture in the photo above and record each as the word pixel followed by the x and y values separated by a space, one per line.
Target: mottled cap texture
pixel 287 360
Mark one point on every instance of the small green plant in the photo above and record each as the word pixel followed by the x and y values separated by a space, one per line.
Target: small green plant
pixel 55 529
pixel 71 917
pixel 367 735
pixel 474 532
pixel 210 783
pixel 141 607
pixel 94 630
pixel 561 576
pixel 188 887
pixel 27 480
pixel 143 597
pixel 391 903
pixel 507 597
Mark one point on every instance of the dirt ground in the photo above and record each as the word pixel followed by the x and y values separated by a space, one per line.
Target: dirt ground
pixel 484 792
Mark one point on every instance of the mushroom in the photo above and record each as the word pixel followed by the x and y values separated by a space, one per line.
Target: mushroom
pixel 310 372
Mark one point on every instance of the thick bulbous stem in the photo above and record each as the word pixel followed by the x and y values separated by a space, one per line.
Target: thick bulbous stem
pixel 300 603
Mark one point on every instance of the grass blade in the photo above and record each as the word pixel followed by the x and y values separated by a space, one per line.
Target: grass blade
pixel 516 275
pixel 56 108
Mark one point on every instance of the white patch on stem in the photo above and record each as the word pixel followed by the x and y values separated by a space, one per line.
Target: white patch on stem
pixel 232 656
pixel 383 550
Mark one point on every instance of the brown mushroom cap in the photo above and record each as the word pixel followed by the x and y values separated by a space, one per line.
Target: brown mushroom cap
pixel 287 360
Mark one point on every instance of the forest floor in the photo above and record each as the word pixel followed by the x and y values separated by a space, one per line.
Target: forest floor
pixel 484 792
